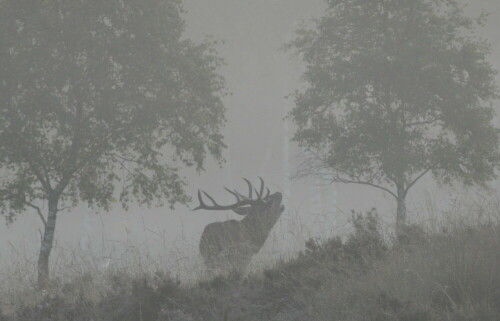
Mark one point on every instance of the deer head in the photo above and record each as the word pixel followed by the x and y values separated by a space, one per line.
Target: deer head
pixel 231 244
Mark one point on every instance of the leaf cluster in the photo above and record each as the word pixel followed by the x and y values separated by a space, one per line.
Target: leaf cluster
pixel 100 94
pixel 395 89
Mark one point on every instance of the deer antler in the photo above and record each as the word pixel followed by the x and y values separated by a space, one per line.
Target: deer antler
pixel 241 200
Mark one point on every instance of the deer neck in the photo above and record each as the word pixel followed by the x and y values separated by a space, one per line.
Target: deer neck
pixel 260 224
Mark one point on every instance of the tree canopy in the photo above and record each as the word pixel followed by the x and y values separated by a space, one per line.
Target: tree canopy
pixel 102 101
pixel 396 89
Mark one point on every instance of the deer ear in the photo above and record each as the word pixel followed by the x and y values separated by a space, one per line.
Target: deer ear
pixel 242 210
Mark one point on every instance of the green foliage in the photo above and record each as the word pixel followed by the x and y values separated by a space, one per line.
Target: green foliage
pixel 396 89
pixel 102 94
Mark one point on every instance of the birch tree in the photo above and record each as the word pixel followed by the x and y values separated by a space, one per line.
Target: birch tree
pixel 395 90
pixel 101 102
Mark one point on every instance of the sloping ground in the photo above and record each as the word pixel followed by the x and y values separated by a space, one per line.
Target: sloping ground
pixel 450 275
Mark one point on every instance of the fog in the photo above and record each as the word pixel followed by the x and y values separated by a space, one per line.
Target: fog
pixel 259 75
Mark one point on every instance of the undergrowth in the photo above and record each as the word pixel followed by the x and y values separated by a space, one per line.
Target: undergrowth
pixel 449 274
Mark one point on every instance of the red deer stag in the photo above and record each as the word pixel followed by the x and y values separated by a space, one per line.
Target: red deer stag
pixel 232 244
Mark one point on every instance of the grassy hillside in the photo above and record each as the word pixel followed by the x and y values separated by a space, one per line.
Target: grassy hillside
pixel 450 274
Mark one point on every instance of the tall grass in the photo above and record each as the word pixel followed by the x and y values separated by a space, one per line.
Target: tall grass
pixel 449 271
pixel 447 268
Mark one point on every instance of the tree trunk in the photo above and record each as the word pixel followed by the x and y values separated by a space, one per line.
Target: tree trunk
pixel 401 210
pixel 47 241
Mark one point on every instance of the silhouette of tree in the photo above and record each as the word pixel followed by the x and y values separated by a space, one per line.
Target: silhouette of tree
pixel 101 94
pixel 396 89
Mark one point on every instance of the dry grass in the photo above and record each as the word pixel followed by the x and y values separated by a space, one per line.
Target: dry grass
pixel 447 269
pixel 449 272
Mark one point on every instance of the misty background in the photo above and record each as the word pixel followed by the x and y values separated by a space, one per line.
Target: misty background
pixel 259 74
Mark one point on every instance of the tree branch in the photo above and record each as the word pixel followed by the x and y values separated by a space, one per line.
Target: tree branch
pixel 347 181
pixel 122 161
pixel 38 210
pixel 316 166
pixel 423 122
pixel 71 165
pixel 416 179
pixel 8 195
pixel 79 164
pixel 60 209
pixel 42 178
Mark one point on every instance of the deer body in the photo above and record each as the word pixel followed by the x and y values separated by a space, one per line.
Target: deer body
pixel 232 244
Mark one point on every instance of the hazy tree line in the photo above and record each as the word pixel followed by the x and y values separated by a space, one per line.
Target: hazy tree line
pixel 104 102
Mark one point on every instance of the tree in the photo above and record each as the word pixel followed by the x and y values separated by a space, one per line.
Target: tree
pixel 98 95
pixel 396 89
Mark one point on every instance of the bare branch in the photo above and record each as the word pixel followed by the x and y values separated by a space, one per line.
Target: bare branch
pixel 121 161
pixel 315 165
pixel 347 181
pixel 416 179
pixel 423 122
pixel 122 158
pixel 60 209
pixel 38 211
